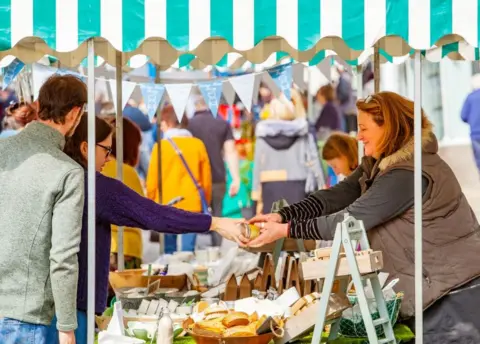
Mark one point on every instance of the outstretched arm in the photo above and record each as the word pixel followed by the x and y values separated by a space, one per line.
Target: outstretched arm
pixel 325 202
pixel 373 208
pixel 121 206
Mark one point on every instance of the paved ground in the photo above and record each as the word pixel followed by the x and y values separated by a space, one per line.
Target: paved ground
pixel 460 159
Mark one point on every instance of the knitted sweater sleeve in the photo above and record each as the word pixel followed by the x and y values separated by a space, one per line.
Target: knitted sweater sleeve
pixel 122 206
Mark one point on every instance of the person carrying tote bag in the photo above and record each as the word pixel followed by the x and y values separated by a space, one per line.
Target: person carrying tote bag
pixel 185 173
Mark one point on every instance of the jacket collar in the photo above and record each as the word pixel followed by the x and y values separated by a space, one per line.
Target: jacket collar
pixel 46 134
pixel 429 145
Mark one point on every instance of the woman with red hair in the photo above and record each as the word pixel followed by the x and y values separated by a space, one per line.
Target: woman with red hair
pixel 17 116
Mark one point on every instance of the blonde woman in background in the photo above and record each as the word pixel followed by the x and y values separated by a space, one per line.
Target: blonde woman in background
pixel 286 162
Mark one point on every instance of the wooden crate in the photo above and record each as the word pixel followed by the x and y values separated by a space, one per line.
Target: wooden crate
pixel 134 278
pixel 367 261
pixel 290 245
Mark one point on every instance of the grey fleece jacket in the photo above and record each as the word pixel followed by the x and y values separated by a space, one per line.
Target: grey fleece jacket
pixel 42 194
pixel 286 151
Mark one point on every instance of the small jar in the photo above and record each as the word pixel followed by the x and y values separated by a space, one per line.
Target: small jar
pixel 250 231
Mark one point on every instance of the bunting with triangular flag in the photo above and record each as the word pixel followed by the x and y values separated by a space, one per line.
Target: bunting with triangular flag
pixel 325 68
pixel 178 94
pixel 127 90
pixel 282 75
pixel 211 92
pixel 228 93
pixel 40 74
pixel 243 86
pixel 11 71
pixel 152 96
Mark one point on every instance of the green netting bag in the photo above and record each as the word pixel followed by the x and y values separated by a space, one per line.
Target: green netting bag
pixel 352 325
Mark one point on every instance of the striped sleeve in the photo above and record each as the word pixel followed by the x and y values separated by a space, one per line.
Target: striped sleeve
pixel 309 208
pixel 307 230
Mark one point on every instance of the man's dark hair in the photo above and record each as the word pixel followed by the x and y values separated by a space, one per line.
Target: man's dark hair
pixel 59 95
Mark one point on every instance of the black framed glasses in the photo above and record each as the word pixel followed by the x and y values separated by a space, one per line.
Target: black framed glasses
pixel 107 149
pixel 15 105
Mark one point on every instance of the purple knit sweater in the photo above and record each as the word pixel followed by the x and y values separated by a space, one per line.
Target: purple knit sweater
pixel 119 205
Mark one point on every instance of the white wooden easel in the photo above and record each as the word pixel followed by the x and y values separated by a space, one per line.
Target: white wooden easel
pixel 348 234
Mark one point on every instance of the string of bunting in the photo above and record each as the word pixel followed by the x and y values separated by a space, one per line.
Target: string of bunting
pixel 241 84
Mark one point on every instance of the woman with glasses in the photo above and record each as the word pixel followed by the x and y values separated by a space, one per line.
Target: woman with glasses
pixel 17 116
pixel 132 237
pixel 117 204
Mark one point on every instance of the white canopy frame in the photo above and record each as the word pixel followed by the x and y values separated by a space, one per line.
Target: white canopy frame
pixel 120 58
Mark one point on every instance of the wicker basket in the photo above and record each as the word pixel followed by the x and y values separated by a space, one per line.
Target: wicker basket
pixel 355 327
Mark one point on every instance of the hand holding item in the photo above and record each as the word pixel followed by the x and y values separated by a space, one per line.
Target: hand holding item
pixel 269 232
pixel 230 229
pixel 272 217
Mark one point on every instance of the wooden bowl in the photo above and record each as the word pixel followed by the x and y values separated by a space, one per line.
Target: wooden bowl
pixel 261 339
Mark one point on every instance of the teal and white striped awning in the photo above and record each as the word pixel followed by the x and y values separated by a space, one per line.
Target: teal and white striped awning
pixel 165 30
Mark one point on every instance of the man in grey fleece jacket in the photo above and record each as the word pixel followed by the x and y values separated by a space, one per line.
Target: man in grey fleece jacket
pixel 42 194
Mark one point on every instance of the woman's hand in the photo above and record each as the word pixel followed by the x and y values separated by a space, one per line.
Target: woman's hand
pixel 229 229
pixel 269 232
pixel 272 217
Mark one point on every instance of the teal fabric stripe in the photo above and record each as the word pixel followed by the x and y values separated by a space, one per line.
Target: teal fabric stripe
pixel 281 55
pixel 185 60
pixel 44 21
pixel 386 55
pixel 88 19
pixel 478 26
pixel 5 25
pixel 265 19
pixel 317 58
pixel 397 18
pixel 440 19
pixel 353 23
pixel 221 23
pixel 308 23
pixel 477 54
pixel 133 23
pixel 448 48
pixel 178 24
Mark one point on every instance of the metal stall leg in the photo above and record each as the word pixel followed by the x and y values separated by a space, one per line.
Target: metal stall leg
pixel 119 156
pixel 418 200
pixel 91 193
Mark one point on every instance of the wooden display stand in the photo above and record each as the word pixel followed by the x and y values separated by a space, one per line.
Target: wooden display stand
pixel 284 244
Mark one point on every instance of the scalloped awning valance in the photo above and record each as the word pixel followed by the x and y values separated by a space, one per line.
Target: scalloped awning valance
pixel 168 30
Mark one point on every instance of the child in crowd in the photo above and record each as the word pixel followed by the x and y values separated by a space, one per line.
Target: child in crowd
pixel 341 154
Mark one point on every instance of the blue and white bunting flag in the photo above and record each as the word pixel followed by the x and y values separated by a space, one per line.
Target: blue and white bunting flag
pixel 152 97
pixel 211 92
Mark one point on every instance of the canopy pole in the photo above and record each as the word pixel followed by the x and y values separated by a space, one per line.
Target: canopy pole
pixel 418 200
pixel 91 193
pixel 376 68
pixel 119 152
pixel 161 237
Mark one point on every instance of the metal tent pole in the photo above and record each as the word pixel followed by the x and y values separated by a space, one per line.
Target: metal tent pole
pixel 418 200
pixel 119 153
pixel 376 67
pixel 161 237
pixel 91 193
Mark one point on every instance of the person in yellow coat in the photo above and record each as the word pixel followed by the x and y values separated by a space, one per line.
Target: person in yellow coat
pixel 132 237
pixel 186 173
